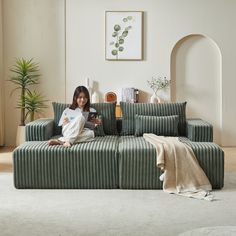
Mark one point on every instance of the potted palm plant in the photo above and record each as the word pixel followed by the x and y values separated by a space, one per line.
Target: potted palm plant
pixel 26 74
pixel 34 103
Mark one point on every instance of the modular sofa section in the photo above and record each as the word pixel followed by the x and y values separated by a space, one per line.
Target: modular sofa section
pixel 199 130
pixel 86 165
pixel 211 158
pixel 137 163
pixel 39 130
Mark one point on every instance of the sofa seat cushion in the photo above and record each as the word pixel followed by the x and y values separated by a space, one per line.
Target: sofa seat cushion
pixel 137 163
pixel 85 165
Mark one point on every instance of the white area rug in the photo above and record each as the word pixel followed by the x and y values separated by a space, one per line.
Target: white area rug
pixel 112 212
pixel 212 231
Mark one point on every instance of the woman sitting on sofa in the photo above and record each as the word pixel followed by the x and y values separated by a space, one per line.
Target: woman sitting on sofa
pixel 74 118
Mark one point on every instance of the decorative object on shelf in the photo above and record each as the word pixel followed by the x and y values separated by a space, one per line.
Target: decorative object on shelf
pixel 157 84
pixel 118 111
pixel 110 97
pixel 124 35
pixel 26 73
pixel 95 97
pixel 87 85
pixel 155 99
pixel 130 95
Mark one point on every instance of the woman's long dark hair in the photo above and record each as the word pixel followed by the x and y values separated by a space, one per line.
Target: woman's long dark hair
pixel 78 90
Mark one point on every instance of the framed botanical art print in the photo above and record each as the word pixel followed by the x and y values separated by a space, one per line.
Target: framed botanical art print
pixel 124 35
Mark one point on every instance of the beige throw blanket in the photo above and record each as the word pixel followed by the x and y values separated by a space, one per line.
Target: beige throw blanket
pixel 182 173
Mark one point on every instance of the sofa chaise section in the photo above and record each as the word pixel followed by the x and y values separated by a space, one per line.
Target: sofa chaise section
pixel 137 163
pixel 85 165
pixel 211 158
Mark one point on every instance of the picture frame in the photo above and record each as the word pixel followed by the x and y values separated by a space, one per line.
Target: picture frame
pixel 124 35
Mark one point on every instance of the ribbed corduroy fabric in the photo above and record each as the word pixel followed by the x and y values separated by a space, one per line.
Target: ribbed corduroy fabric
pixel 107 110
pixel 137 163
pixel 58 109
pixel 159 125
pixel 85 165
pixel 129 110
pixel 199 130
pixel 39 130
pixel 211 158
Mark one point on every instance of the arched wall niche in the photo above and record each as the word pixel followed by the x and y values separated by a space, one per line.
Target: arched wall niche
pixel 196 75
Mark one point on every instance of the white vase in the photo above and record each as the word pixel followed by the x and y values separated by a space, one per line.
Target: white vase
pixel 87 85
pixel 95 97
pixel 155 99
pixel 20 135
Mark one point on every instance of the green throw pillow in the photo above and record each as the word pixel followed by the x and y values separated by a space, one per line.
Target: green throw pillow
pixel 129 110
pixel 159 125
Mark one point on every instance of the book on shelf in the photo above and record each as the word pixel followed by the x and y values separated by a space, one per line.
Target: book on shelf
pixel 130 95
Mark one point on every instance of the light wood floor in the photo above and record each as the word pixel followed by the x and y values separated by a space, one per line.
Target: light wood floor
pixel 6 159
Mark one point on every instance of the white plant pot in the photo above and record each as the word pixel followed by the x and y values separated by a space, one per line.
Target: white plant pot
pixel 20 135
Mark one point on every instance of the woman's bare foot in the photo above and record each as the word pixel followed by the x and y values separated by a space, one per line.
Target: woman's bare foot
pixel 67 144
pixel 54 142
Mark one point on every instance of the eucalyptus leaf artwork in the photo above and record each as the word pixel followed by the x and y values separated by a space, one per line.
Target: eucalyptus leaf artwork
pixel 119 35
pixel 124 35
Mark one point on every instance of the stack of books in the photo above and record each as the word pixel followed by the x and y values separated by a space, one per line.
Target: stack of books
pixel 130 95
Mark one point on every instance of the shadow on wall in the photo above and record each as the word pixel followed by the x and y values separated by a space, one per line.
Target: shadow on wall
pixel 196 76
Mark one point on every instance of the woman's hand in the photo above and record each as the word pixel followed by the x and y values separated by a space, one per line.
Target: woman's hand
pixel 66 121
pixel 96 121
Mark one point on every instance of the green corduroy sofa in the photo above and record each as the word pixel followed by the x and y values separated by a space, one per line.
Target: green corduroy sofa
pixel 117 160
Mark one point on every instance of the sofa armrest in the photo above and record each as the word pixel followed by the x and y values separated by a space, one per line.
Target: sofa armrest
pixel 199 130
pixel 39 130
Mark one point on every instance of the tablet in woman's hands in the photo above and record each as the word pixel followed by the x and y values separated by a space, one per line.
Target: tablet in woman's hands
pixel 92 115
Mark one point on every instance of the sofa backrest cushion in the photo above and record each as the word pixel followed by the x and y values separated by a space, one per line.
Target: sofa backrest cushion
pixel 58 109
pixel 106 110
pixel 159 125
pixel 98 130
pixel 129 110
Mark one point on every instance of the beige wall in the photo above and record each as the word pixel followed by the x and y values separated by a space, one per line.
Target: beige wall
pixel 1 83
pixel 166 22
pixel 35 28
